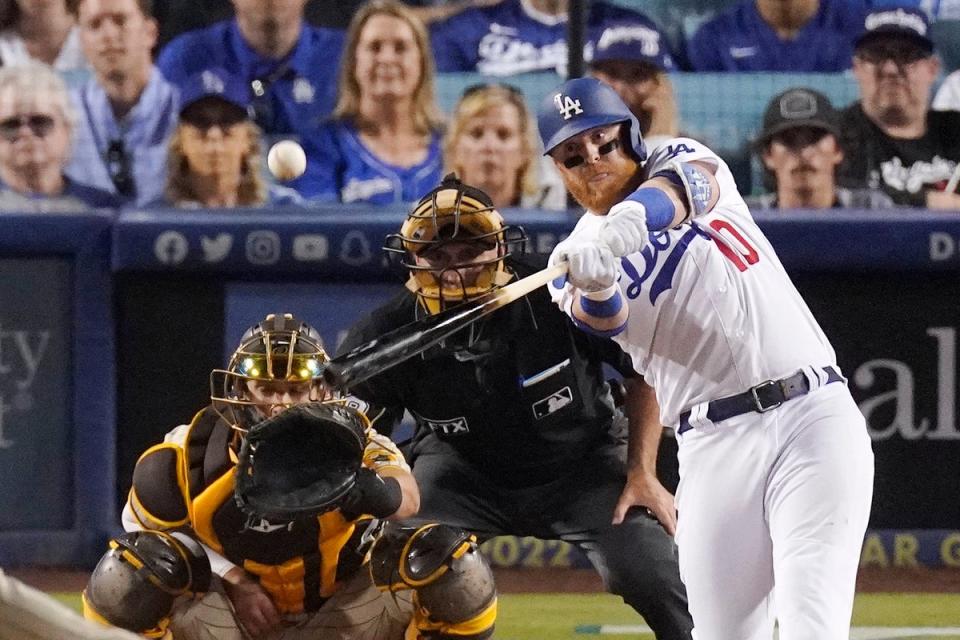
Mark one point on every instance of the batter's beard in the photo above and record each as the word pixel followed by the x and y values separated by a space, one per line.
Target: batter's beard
pixel 601 201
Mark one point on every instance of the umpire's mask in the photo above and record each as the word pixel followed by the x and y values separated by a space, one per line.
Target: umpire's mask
pixel 453 244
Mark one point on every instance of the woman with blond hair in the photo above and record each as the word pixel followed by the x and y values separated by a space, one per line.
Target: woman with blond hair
pixel 491 144
pixel 382 144
pixel 214 158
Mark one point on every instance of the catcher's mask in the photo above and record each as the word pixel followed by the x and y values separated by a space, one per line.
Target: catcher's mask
pixel 280 353
pixel 454 214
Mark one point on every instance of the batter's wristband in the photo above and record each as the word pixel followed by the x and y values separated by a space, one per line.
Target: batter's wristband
pixel 603 333
pixel 659 206
pixel 602 304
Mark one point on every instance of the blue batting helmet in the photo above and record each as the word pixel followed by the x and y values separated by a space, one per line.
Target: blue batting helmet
pixel 581 104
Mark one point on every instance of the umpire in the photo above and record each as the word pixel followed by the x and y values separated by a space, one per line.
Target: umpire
pixel 516 430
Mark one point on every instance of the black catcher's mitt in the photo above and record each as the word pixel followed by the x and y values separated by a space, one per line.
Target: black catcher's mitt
pixel 301 462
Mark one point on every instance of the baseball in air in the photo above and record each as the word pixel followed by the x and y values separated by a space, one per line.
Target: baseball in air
pixel 286 160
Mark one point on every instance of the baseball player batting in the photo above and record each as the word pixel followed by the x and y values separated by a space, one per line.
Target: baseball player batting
pixel 776 470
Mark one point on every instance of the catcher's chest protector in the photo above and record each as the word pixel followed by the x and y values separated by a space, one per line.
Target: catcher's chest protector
pixel 286 556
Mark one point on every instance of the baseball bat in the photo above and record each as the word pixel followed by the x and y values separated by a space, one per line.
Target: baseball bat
pixel 414 338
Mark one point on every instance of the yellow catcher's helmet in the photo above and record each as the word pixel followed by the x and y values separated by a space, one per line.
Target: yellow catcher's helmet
pixel 280 348
pixel 453 213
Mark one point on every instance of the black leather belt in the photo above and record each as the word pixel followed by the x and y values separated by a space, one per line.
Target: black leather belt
pixel 761 398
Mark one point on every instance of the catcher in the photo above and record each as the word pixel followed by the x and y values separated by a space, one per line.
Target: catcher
pixel 287 488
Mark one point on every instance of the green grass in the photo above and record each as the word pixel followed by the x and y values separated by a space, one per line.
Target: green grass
pixel 537 616
pixel 907 610
pixel 540 616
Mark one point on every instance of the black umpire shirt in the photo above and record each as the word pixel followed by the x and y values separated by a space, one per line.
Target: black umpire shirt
pixel 518 395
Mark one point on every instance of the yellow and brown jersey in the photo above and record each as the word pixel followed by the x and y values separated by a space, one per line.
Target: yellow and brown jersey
pixel 187 482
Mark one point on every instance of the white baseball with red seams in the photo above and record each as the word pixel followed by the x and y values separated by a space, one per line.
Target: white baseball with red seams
pixel 784 493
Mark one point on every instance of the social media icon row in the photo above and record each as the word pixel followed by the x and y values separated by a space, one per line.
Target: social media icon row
pixel 262 247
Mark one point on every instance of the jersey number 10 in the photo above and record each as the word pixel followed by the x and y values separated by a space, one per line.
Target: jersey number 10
pixel 733 245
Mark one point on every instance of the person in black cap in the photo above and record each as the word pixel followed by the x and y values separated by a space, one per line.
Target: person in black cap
pixel 891 138
pixel 635 63
pixel 800 149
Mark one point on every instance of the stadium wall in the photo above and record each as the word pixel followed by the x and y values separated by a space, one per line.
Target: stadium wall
pixel 109 326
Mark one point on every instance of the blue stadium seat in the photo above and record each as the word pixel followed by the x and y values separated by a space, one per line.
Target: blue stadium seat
pixel 946 38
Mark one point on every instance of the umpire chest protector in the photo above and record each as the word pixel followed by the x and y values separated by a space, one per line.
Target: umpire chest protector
pixel 193 485
pixel 524 380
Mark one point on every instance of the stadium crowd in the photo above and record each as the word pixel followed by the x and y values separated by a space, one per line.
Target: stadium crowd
pixel 113 103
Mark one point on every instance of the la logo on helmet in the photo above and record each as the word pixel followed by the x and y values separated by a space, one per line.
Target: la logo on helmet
pixel 568 106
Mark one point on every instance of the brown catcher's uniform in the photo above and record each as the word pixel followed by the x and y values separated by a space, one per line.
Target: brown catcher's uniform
pixel 314 569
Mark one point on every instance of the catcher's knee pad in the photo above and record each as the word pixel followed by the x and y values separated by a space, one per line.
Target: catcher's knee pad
pixel 136 582
pixel 455 592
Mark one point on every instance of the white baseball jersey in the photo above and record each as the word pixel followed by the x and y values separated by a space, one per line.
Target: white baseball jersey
pixel 712 310
pixel 775 503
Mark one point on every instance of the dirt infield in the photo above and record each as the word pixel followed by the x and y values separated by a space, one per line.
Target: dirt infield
pixel 580 580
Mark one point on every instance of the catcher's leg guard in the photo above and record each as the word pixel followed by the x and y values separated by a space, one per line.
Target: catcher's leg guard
pixel 136 582
pixel 455 594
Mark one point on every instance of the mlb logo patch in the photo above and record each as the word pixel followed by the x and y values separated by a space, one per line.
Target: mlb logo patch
pixel 552 403
pixel 452 427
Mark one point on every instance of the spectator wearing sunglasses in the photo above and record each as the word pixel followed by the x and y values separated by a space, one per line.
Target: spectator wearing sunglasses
pixel 288 66
pixel 127 111
pixel 491 144
pixel 382 145
pixel 40 30
pixel 891 138
pixel 215 152
pixel 36 122
pixel 800 150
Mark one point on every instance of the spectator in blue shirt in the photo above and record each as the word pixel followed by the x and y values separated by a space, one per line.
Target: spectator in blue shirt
pixel 383 144
pixel 126 111
pixel 517 36
pixel 36 122
pixel 779 35
pixel 215 153
pixel 289 67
